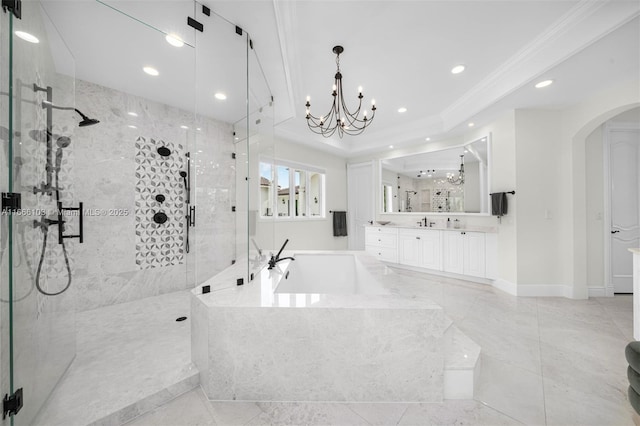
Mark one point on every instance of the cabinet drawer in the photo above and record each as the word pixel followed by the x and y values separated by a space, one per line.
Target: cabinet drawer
pixel 382 239
pixel 381 230
pixel 388 254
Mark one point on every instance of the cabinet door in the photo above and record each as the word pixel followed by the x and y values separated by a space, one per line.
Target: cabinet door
pixel 431 250
pixel 453 251
pixel 474 254
pixel 410 249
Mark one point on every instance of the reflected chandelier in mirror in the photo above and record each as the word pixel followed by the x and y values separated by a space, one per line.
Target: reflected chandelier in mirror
pixel 452 180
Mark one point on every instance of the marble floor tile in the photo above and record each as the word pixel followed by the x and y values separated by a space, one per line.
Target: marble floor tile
pixel 233 413
pixel 511 390
pixel 601 377
pixel 189 409
pixel 127 354
pixel 458 412
pixel 306 413
pixel 566 406
pixel 380 413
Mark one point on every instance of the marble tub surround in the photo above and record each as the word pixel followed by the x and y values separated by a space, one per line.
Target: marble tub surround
pixel 376 346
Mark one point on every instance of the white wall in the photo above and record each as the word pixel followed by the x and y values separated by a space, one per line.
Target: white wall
pixel 313 234
pixel 538 171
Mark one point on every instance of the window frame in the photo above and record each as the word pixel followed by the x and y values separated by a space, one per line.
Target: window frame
pixel 305 210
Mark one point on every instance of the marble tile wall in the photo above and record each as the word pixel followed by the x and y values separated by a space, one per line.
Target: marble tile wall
pixel 109 264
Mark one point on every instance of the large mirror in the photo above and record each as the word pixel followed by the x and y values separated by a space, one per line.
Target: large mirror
pixel 453 180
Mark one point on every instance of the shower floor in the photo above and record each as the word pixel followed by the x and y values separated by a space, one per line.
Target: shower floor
pixel 130 358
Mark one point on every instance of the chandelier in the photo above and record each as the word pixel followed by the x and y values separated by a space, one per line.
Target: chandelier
pixel 459 180
pixel 339 118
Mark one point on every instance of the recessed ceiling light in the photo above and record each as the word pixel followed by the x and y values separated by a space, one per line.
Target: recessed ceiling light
pixel 220 96
pixel 198 129
pixel 174 40
pixel 151 71
pixel 184 127
pixel 402 109
pixel 131 126
pixel 457 69
pixel 471 124
pixel 544 83
pixel 133 114
pixel 27 37
pixel 391 146
pixel 427 139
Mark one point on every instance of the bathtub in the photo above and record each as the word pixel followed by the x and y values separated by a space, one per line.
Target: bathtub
pixel 309 272
pixel 324 327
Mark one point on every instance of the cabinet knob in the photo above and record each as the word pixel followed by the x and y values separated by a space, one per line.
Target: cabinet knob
pixel 379 240
pixel 463 233
pixel 417 238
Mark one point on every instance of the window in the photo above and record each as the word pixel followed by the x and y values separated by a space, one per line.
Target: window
pixel 289 190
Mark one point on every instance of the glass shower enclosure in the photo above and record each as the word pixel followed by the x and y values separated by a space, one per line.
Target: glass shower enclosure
pixel 130 142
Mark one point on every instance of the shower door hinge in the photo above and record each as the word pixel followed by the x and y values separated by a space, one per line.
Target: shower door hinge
pixel 12 404
pixel 195 24
pixel 11 201
pixel 14 6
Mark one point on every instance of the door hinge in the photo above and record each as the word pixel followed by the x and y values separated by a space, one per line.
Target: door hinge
pixel 13 6
pixel 12 404
pixel 195 24
pixel 11 201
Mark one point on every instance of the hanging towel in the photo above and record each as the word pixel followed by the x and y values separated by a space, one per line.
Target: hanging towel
pixel 339 224
pixel 499 204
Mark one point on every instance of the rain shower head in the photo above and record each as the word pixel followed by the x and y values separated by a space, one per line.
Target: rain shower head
pixel 86 121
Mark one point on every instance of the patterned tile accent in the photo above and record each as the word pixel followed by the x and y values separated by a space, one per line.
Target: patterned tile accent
pixel 159 244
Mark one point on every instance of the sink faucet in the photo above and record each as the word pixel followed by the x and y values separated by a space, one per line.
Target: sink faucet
pixel 275 259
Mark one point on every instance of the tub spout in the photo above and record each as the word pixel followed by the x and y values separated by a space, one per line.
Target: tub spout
pixel 275 259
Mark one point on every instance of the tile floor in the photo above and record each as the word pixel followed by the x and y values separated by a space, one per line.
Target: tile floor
pixel 549 361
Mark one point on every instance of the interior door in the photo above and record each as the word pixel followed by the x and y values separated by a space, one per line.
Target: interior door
pixel 360 210
pixel 624 157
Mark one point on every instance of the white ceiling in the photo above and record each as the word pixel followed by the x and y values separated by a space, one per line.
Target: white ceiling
pixel 401 52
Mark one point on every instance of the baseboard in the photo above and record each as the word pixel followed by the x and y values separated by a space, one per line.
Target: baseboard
pixel 505 286
pixel 530 290
pixel 545 290
pixel 597 292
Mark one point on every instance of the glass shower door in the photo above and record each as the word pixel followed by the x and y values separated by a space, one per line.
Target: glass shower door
pixel 38 303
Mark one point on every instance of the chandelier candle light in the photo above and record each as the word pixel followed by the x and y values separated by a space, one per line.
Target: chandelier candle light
pixel 459 180
pixel 339 118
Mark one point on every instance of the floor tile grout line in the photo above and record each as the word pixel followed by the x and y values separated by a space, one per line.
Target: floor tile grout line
pixel 356 413
pixel 498 411
pixel 544 397
pixel 402 416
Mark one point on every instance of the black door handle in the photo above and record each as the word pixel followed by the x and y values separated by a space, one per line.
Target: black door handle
pixel 617 230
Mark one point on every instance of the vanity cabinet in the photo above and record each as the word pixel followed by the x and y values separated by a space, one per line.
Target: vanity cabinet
pixel 465 253
pixel 382 243
pixel 454 251
pixel 421 248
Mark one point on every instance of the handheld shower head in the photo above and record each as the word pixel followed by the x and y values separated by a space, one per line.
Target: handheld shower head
pixel 63 141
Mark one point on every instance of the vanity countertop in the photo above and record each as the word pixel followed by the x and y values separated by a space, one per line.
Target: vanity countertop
pixel 635 250
pixel 468 228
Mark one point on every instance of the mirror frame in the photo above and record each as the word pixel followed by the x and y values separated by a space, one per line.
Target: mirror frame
pixel 489 169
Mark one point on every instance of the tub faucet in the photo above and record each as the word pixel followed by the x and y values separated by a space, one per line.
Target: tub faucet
pixel 275 259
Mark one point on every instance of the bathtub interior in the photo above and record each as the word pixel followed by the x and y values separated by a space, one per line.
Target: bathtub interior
pixel 327 274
